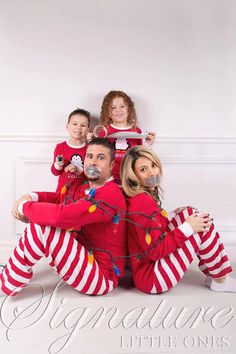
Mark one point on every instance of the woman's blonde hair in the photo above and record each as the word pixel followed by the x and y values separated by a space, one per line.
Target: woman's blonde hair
pixel 130 182
pixel 106 107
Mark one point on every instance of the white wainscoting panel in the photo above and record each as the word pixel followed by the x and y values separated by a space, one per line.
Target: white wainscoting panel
pixel 200 171
pixel 33 174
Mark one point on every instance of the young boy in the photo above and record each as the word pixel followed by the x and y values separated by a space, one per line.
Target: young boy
pixel 69 155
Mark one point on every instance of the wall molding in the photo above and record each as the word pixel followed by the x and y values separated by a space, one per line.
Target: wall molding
pixel 36 160
pixel 51 138
pixel 20 138
pixel 21 162
pixel 195 160
pixel 196 140
pixel 20 165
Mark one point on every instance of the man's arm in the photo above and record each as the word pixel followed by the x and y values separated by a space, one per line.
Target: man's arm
pixel 49 197
pixel 64 216
pixel 15 212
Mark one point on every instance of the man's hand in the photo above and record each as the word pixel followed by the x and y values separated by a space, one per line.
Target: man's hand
pixel 23 218
pixel 15 212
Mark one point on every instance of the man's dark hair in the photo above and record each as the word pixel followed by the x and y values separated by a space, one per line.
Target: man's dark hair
pixel 81 112
pixel 106 143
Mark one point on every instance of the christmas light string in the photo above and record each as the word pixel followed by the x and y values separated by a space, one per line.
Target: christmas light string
pixel 137 255
pixel 100 204
pixel 66 189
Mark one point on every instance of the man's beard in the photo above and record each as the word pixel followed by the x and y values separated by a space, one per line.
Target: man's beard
pixel 93 178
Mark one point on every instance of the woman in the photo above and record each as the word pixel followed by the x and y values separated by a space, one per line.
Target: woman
pixel 162 246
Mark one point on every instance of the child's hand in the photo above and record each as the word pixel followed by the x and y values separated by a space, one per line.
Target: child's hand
pixel 73 168
pixel 150 139
pixel 90 137
pixel 200 222
pixel 59 162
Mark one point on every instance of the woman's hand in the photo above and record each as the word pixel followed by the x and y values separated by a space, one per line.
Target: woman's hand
pixel 178 210
pixel 15 212
pixel 200 222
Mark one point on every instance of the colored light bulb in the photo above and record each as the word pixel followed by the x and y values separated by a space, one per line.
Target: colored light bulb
pixel 148 238
pixel 164 213
pixel 116 270
pixel 92 192
pixel 70 229
pixel 115 221
pixel 92 208
pixel 64 189
pixel 90 257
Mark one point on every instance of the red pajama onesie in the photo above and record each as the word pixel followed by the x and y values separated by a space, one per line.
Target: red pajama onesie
pixel 159 267
pixel 71 154
pixel 69 252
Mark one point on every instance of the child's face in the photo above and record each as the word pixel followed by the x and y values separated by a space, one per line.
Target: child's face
pixel 119 112
pixel 78 127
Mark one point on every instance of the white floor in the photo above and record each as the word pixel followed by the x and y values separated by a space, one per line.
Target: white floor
pixel 45 318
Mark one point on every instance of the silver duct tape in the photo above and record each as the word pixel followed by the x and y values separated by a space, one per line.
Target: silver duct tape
pixel 92 171
pixel 152 181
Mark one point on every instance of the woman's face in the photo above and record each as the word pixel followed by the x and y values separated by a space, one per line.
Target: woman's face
pixel 144 169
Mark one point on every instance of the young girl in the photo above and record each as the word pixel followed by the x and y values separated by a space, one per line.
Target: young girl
pixel 69 155
pixel 118 115
pixel 161 249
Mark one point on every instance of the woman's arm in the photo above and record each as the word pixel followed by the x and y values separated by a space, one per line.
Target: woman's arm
pixel 156 242
pixel 149 229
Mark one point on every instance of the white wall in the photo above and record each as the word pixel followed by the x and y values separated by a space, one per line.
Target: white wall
pixel 176 58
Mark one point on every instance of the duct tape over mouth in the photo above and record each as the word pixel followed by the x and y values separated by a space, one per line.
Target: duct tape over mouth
pixel 92 171
pixel 152 181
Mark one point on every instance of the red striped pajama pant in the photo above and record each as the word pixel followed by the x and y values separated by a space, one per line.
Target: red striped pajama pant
pixel 213 260
pixel 63 252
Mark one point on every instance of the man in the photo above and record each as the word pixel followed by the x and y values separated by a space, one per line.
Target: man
pixel 88 256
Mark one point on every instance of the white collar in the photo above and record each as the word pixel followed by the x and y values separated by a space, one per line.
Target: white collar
pixel 108 180
pixel 75 146
pixel 120 128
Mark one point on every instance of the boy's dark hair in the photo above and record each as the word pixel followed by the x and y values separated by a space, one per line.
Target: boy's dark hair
pixel 81 112
pixel 106 143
